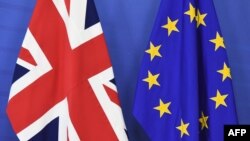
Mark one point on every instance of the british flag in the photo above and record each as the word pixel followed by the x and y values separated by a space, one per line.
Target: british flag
pixel 63 87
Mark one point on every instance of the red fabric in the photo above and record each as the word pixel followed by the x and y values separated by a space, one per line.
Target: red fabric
pixel 68 78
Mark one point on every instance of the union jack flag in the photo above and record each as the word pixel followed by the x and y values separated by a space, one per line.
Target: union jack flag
pixel 63 87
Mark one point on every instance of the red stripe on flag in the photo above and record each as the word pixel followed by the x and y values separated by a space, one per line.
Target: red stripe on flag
pixel 91 124
pixel 112 95
pixel 26 56
pixel 67 3
pixel 68 135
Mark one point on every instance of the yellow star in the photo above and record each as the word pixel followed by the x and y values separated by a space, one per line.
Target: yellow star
pixel 225 72
pixel 183 128
pixel 218 41
pixel 153 51
pixel 203 121
pixel 152 80
pixel 171 26
pixel 200 18
pixel 163 108
pixel 219 99
pixel 191 12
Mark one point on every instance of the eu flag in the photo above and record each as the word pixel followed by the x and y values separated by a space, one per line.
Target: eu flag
pixel 184 89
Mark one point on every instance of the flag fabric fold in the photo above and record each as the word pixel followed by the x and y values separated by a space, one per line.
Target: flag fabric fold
pixel 184 89
pixel 63 87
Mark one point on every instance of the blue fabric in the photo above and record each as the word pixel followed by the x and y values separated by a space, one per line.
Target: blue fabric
pixel 180 83
pixel 49 133
pixel 234 20
pixel 127 26
pixel 14 18
pixel 91 14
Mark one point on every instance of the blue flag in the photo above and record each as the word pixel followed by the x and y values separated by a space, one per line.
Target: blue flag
pixel 184 89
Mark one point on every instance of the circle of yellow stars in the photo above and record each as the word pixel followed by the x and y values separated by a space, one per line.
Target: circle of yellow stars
pixel 152 79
